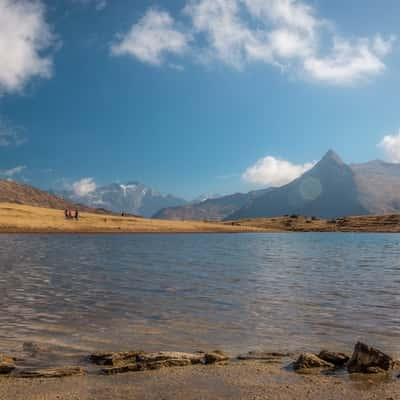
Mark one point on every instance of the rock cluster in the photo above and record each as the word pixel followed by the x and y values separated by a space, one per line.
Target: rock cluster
pixel 139 361
pixel 365 359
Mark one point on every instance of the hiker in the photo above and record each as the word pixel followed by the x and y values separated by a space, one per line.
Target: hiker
pixel 76 215
pixel 69 214
pixel 66 213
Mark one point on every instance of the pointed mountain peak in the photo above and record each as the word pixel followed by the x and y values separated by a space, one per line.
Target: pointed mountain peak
pixel 332 156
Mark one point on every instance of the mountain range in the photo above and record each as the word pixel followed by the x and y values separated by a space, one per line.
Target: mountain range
pixel 330 189
pixel 130 198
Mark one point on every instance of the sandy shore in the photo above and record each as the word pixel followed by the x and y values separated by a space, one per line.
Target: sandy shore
pixel 16 218
pixel 245 380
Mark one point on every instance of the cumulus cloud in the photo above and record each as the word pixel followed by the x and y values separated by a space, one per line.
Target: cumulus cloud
pixel 390 144
pixel 84 187
pixel 10 173
pixel 154 36
pixel 284 33
pixel 272 171
pixel 24 39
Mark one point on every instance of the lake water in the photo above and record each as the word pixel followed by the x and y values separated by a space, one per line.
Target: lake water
pixel 190 292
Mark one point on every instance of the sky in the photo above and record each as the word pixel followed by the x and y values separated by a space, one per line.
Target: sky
pixel 194 96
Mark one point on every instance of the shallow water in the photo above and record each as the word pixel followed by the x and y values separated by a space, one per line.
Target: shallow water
pixel 189 292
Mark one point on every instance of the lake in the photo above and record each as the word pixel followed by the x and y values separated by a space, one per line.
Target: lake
pixel 236 292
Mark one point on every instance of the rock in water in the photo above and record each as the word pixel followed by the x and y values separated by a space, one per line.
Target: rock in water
pixel 338 359
pixel 215 357
pixel 367 359
pixel 309 360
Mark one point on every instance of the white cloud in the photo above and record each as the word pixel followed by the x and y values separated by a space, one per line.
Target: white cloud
pixel 391 146
pixel 24 38
pixel 152 38
pixel 349 62
pixel 10 173
pixel 284 33
pixel 271 171
pixel 84 187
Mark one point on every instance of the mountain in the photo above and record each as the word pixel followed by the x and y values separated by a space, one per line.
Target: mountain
pixel 18 193
pixel 215 209
pixel 130 198
pixel 332 189
pixel 328 190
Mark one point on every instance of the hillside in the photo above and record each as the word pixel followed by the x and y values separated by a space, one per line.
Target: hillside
pixel 215 209
pixel 378 183
pixel 18 193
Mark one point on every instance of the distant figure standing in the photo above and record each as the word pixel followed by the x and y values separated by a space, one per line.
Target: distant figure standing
pixel 70 214
pixel 66 213
pixel 76 215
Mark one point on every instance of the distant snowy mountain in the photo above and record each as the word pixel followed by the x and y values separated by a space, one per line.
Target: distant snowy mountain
pixel 132 198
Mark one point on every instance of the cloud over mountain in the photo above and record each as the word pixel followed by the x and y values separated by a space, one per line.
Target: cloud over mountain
pixel 272 171
pixel 390 144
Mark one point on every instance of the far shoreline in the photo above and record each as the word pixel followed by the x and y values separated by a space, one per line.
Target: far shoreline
pixel 23 219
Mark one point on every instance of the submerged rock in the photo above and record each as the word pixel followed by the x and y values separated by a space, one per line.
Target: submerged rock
pixel 338 359
pixel 309 360
pixel 50 373
pixel 367 359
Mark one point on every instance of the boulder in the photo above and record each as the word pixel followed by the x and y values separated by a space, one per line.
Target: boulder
pixel 215 357
pixel 309 360
pixel 367 359
pixel 338 359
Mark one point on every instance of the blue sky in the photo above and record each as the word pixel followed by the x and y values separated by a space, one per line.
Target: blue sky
pixel 194 96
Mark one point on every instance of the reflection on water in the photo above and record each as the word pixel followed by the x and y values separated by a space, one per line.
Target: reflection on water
pixel 190 292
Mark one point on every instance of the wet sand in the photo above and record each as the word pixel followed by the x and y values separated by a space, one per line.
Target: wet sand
pixel 238 380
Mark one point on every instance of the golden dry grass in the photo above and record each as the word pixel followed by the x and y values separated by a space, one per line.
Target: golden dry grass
pixel 15 218
pixel 27 219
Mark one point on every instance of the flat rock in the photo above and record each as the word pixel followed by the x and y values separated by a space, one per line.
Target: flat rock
pixel 338 359
pixel 367 359
pixel 309 360
pixel 50 373
pixel 113 359
pixel 215 357
pixel 140 361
